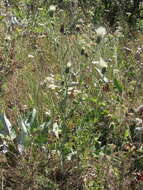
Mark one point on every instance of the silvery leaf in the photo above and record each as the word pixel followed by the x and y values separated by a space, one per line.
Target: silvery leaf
pixel 6 128
pixel 20 139
pixel 31 118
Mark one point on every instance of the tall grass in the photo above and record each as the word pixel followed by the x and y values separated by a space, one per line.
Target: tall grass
pixel 83 87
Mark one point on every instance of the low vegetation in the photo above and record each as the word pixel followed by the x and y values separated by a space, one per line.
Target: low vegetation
pixel 71 94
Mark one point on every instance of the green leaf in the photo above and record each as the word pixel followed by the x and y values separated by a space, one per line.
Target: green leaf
pixel 127 133
pixel 1 18
pixel 118 85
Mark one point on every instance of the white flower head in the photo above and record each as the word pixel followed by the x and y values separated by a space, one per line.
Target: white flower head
pixel 69 64
pixel 116 71
pixel 30 56
pixel 95 84
pixel 50 80
pixel 56 130
pixel 52 8
pixel 101 63
pixel 52 86
pixel 8 38
pixel 72 91
pixel 101 31
pixel 69 157
pixel 48 113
